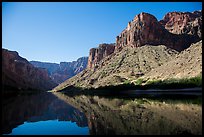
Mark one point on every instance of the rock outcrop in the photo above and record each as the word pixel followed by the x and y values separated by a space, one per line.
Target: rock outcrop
pixel 122 66
pixel 145 29
pixel 18 73
pixel 144 45
pixel 177 31
pixel 97 54
pixel 183 23
pixel 61 72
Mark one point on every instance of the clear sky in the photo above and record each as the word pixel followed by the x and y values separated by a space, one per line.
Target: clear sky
pixel 57 31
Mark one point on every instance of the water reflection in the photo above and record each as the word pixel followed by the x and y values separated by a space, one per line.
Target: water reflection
pixel 95 115
pixel 116 116
pixel 38 107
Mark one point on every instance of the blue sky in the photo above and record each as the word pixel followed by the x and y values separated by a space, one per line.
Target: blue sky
pixel 57 31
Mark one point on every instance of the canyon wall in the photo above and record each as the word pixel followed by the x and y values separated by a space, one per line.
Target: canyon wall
pixel 61 72
pixel 183 23
pixel 177 30
pixel 146 30
pixel 97 54
pixel 18 73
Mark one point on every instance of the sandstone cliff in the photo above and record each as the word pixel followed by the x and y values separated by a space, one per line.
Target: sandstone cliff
pixel 18 73
pixel 61 72
pixel 183 23
pixel 143 46
pixel 145 29
pixel 177 31
pixel 122 66
pixel 146 62
pixel 97 54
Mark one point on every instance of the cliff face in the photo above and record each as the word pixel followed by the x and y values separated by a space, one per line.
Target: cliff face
pixel 79 65
pixel 145 29
pixel 97 54
pixel 176 31
pixel 121 66
pixel 183 23
pixel 144 45
pixel 61 72
pixel 18 73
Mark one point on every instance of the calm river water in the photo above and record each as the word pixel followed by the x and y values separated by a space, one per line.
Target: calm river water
pixel 42 114
pixel 57 114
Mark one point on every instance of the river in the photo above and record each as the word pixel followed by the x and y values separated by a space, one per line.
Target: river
pixel 58 114
pixel 42 114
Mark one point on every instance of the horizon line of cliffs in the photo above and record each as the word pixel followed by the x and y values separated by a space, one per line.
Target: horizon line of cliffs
pixel 177 30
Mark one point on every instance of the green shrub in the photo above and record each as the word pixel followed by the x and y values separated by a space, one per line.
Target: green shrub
pixel 114 65
pixel 103 74
pixel 176 83
pixel 139 81
pixel 153 82
pixel 127 82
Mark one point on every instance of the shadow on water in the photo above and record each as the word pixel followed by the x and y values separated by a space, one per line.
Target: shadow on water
pixel 102 113
pixel 112 113
pixel 193 95
pixel 38 107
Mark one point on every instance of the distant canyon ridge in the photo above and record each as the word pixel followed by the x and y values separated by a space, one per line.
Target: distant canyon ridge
pixel 20 74
pixel 61 72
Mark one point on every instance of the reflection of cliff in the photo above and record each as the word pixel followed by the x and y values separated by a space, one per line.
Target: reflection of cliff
pixel 114 116
pixel 38 107
pixel 60 110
